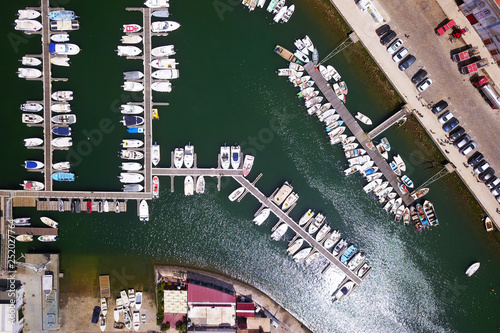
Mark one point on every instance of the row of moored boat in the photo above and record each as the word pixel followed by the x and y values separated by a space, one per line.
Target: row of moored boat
pixel 25 222
pixel 281 12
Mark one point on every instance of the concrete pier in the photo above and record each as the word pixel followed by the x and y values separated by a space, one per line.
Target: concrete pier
pixel 388 123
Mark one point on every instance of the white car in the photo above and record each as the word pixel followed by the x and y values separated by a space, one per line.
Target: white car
pixel 445 117
pixel 394 46
pixel 424 85
pixel 400 54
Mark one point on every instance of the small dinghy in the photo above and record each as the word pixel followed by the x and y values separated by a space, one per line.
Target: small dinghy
pixel 62 142
pixel 161 13
pixel 62 61
pixel 364 119
pixel 131 166
pixel 60 38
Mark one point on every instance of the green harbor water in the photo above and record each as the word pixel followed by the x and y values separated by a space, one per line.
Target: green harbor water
pixel 228 92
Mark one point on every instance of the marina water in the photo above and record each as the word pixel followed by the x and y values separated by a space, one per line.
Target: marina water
pixel 228 92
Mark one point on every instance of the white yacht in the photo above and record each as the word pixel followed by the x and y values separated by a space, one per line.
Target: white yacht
pixel 60 38
pixel 131 39
pixel 262 216
pixel 131 154
pixel 163 51
pixel 130 177
pixel 132 143
pixel 62 142
pixel 131 109
pixel 32 185
pixel 306 217
pixel 32 142
pixel 136 320
pixel 138 300
pixel 188 156
pixel 132 86
pixel 317 222
pixel 200 185
pixel 165 74
pixel 164 26
pixel 235 157
pixel 60 107
pixel 344 290
pixel 279 232
pixel 143 212
pixel 128 51
pixel 133 75
pixel 161 86
pixel 61 166
pixel 29 118
pixel 62 96
pixel 332 239
pixel 225 153
pixel 30 61
pixel 163 63
pixel 236 193
pixel 28 25
pixel 62 61
pixel 64 119
pixel 157 3
pixel 64 48
pixel 290 200
pixel 188 185
pixel 27 14
pixel 325 229
pixel 31 107
pixel 302 254
pixel 295 246
pixel 28 73
pixel 178 157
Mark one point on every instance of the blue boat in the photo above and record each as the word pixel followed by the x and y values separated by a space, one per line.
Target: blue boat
pixel 385 143
pixel 62 130
pixel 348 253
pixel 334 125
pixel 369 171
pixel 63 176
pixel 135 130
pixel 132 121
pixel 33 165
pixel 62 15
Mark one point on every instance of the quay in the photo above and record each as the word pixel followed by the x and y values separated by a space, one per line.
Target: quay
pixel 394 119
pixel 34 231
pixel 357 131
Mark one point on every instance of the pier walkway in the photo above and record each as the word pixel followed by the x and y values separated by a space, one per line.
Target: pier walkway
pixel 148 100
pixel 296 228
pixel 34 231
pixel 388 123
pixel 356 130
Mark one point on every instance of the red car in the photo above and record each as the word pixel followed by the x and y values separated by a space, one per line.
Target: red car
pixel 445 27
pixel 89 207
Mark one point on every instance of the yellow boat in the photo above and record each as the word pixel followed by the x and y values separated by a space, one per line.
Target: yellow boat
pixel 155 114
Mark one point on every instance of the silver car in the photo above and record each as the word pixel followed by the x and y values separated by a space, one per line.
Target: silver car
pixel 394 46
pixel 424 85
pixel 400 54
pixel 445 117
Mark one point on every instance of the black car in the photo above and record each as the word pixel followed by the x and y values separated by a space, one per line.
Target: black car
pixel 439 106
pixel 493 182
pixel 390 35
pixel 486 175
pixel 475 159
pixel 95 314
pixel 382 30
pixel 456 133
pixel 419 76
pixel 407 62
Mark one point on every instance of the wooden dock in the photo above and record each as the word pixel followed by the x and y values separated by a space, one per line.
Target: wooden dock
pixel 357 131
pixel 34 231
pixel 388 123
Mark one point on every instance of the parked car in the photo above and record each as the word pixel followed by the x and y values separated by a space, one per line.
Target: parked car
pixel 387 37
pixel 439 106
pixel 483 165
pixel 445 117
pixel 495 190
pixel 475 159
pixel 419 76
pixel 462 141
pixel 403 52
pixel 445 27
pixel 424 85
pixel 493 182
pixel 486 174
pixel 456 133
pixel 407 62
pixel 468 148
pixel 95 314
pixel 450 124
pixel 382 30
pixel 394 46
pixel 498 198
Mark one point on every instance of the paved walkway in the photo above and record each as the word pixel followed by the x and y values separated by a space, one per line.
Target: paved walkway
pixel 418 20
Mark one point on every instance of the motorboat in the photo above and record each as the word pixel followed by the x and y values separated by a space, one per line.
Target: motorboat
pixel 61 166
pixel 338 139
pixel 308 43
pixel 165 74
pixel 135 130
pixel 358 160
pixel 131 109
pixel 236 193
pixel 62 15
pixel 406 216
pixel 288 14
pixel 188 185
pixel 127 318
pixel 200 185
pixel 407 181
pixel 488 224
pixel 334 125
pixel 32 142
pixel 131 298
pixel 28 25
pixel 373 177
pixel 132 143
pixel 338 92
pixel 398 202
pixel 24 238
pixel 102 322
pixel 131 154
pixel 28 73
pixel 136 319
pixel 225 160
pixel 63 48
pixel 247 164
pixel 364 119
pixel 63 176
pixel 279 232
pixel 325 229
pixel 472 269
pixel 399 213
pixel 331 240
pixel 301 56
pixel 64 119
pixel 188 156
pixel 60 107
pixel 62 61
pixel 161 86
pixel 340 247
pixel 286 71
pixel 290 201
pixel 124 299
pixel 316 223
pixel 66 25
pixel 31 107
pixel 132 188
pixel 324 72
pixel 299 44
pixel 131 28
pixel 48 221
pixel 235 157
pixel 333 74
pixel 156 187
pixel 178 157
pixel 138 299
pixel 116 312
pixel 130 177
pixel 279 15
pixel 306 217
pixel 287 55
pixel 31 185
pixel 132 121
pixel 336 132
pixel 133 75
pixel 313 257
pixel 350 146
pixel 62 142
pixel 27 14
pixel 61 130
pixel 21 221
pixel 60 38
pixel 163 63
pixel 143 211
pixel 420 193
pixel 132 86
pixel 302 254
pixel 62 96
pixel 104 306
pixel 400 163
pixel 163 51
pixel 272 5
pixel 348 254
pixel 387 207
pixel 30 61
pixel 161 13
pixel 164 26
pixel 131 39
pixel 128 51
pixel 343 291
pixel 262 216
pixel 351 170
pixel 295 246
pixel 157 3
pixel 430 213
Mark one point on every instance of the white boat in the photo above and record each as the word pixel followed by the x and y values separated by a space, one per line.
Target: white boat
pixel 235 157
pixel 225 158
pixel 30 61
pixel 32 142
pixel 131 298
pixel 400 163
pixel 116 315
pixel 364 119
pixel 130 177
pixel 371 185
pixel 302 254
pixel 131 109
pixel 62 142
pixel 21 221
pixel 301 56
pixel 133 75
pixel 399 213
pixel 325 229
pixel 64 48
pixel 60 107
pixel 163 63
pixel 62 96
pixel 316 224
pixel 324 72
pixel 336 132
pixel 47 284
pixel 133 188
pixel 296 67
pixel 344 290
pixel 295 246
pixel 48 221
pixel 28 25
pixel 178 157
pixel 358 160
pixel 157 3
pixel 279 15
pixel 354 153
pixel 125 301
pixel 313 257
pixel 106 206
pixel 136 320
pixel 31 107
pixel 131 39
pixel 60 38
pixel 236 193
pixel 165 74
pixel 200 185
pixel 332 73
pixel 164 26
pixel 161 13
pixel 143 211
pixel 387 207
pixel 247 165
pixel 127 318
pixel 290 201
pixel 138 300
pixel 338 139
pixel 62 61
pixel 407 181
pixel 350 146
pixel 24 238
pixel 262 216
pixel 339 92
pixel 472 269
pixel 47 238
pixel 188 185
pixel 119 306
pixel 488 224
pixel 104 306
pixel 27 14
pixel 163 51
pixel 373 176
pixel 61 166
pixel 308 43
pixel 164 86
pixel 188 156
pixel 131 154
pixel 102 322
pixel 128 51
pixel 299 44
pixel 64 119
pixel 132 143
pixel 288 14
pixel 132 86
pixel 398 202
pixel 306 217
pixel 131 28
pixel 28 73
pixel 331 240
pixel 351 170
pixel 279 232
